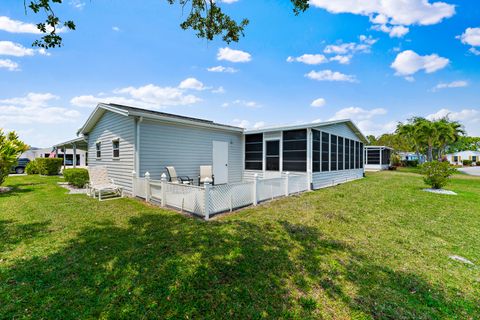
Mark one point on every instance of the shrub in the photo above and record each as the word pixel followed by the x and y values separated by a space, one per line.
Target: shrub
pixel 410 163
pixel 395 160
pixel 437 173
pixel 32 167
pixel 76 177
pixel 49 166
pixel 467 162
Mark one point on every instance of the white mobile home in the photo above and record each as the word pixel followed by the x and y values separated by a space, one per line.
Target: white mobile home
pixel 458 157
pixel 377 158
pixel 131 141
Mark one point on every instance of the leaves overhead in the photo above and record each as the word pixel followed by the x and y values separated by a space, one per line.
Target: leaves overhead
pixel 205 17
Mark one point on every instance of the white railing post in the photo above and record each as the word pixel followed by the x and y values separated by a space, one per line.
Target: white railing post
pixel 134 183
pixel 148 193
pixel 287 175
pixel 163 179
pixel 207 198
pixel 255 194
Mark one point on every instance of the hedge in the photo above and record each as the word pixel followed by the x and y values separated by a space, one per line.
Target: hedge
pixel 76 177
pixel 49 166
pixel 32 167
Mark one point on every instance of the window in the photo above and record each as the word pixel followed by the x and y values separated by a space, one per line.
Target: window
pixel 347 154
pixel 325 151
pixel 373 156
pixel 316 150
pixel 361 155
pixel 254 151
pixel 357 154
pixel 98 147
pixel 455 158
pixel 386 156
pixel 340 154
pixel 116 148
pixel 474 158
pixel 295 150
pixel 333 152
pixel 352 154
pixel 273 155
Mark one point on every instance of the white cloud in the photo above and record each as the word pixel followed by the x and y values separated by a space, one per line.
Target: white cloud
pixel 474 51
pixel 329 75
pixel 393 31
pixel 244 103
pixel 34 108
pixel 342 59
pixel 192 83
pixel 470 118
pixel 16 26
pixel 77 4
pixel 366 120
pixel 247 124
pixel 344 52
pixel 453 84
pixel 409 62
pixel 220 90
pixel 320 102
pixel 232 55
pixel 471 36
pixel 228 1
pixel 116 29
pixel 222 69
pixel 311 59
pixel 9 64
pixel 391 13
pixel 9 48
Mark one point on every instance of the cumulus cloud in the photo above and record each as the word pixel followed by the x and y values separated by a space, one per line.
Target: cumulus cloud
pixel 222 69
pixel 309 59
pixel 233 55
pixel 385 15
pixel 329 75
pixel 367 120
pixel 244 103
pixel 469 117
pixel 116 29
pixel 247 124
pixel 342 59
pixel 409 62
pixel 471 37
pixel 9 65
pixel 9 48
pixel 149 96
pixel 34 108
pixel 453 84
pixel 16 26
pixel 364 45
pixel 317 103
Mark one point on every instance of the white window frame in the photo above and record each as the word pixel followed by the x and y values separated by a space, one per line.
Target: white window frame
pixel 113 148
pixel 98 148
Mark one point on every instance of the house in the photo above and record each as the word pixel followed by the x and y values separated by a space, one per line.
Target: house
pixel 67 154
pixel 412 156
pixel 377 158
pixel 128 139
pixel 458 157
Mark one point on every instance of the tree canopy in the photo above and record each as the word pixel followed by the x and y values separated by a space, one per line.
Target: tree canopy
pixel 11 147
pixel 205 17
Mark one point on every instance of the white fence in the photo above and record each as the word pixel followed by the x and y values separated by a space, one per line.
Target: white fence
pixel 207 200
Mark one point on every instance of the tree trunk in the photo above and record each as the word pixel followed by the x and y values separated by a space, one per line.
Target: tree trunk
pixel 430 153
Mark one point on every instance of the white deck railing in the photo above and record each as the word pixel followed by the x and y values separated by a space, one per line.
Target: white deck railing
pixel 208 200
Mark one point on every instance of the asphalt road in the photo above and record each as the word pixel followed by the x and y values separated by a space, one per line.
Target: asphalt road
pixel 473 171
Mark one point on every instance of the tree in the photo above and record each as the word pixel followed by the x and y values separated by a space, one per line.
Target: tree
pixel 205 17
pixel 447 132
pixel 464 143
pixel 11 147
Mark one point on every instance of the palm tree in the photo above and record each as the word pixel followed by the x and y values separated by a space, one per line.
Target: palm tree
pixel 448 132
pixel 426 134
pixel 408 133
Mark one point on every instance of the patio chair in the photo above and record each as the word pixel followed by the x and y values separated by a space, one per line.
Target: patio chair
pixel 206 172
pixel 99 182
pixel 173 177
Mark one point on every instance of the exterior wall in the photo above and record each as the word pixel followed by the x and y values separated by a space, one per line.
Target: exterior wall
pixel 340 129
pixel 40 153
pixel 186 148
pixel 112 126
pixel 376 167
pixel 327 179
pixel 463 155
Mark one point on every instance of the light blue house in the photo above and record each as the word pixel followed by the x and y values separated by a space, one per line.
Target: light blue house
pixel 132 141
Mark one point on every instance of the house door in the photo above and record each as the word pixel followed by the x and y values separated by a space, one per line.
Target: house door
pixel 220 162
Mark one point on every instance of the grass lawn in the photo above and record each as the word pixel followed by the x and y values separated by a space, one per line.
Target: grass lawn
pixel 377 248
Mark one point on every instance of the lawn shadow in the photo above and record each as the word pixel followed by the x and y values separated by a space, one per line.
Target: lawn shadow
pixel 12 233
pixel 169 266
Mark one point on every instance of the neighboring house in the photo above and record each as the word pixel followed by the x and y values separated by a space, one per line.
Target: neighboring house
pixel 128 139
pixel 80 155
pixel 458 157
pixel 412 156
pixel 377 158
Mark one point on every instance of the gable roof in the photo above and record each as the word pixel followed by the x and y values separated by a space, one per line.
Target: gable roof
pixel 149 114
pixel 311 125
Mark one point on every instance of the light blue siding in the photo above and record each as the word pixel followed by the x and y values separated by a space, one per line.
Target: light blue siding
pixel 114 126
pixel 186 148
pixel 339 129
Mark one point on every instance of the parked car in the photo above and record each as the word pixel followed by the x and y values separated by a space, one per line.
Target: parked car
pixel 19 168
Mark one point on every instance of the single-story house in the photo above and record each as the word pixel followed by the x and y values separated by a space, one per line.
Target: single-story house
pixel 377 158
pixel 458 157
pixel 412 156
pixel 68 154
pixel 128 139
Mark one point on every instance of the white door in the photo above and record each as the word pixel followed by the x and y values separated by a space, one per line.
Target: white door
pixel 220 162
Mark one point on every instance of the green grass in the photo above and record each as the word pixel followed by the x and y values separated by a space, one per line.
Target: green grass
pixel 376 248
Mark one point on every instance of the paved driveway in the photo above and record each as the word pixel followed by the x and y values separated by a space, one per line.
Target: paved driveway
pixel 474 171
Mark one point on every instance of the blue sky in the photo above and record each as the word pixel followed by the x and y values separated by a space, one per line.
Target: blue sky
pixel 377 62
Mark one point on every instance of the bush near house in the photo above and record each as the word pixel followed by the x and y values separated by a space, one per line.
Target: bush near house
pixel 410 163
pixel 76 177
pixel 32 167
pixel 49 166
pixel 437 173
pixel 467 162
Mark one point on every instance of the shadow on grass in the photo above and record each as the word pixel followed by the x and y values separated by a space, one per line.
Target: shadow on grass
pixel 167 266
pixel 12 234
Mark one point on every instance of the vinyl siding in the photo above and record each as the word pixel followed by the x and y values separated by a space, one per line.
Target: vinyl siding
pixel 186 148
pixel 340 129
pixel 112 126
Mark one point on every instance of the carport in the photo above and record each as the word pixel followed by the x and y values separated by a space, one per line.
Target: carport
pixel 75 144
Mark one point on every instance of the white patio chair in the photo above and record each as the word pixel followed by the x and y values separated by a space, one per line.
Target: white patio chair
pixel 99 182
pixel 206 172
pixel 173 177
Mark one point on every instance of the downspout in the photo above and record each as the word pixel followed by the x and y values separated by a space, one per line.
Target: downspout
pixel 138 121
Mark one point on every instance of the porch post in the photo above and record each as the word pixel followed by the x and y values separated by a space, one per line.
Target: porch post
pixel 147 187
pixel 163 178
pixel 207 198
pixel 309 158
pixel 74 155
